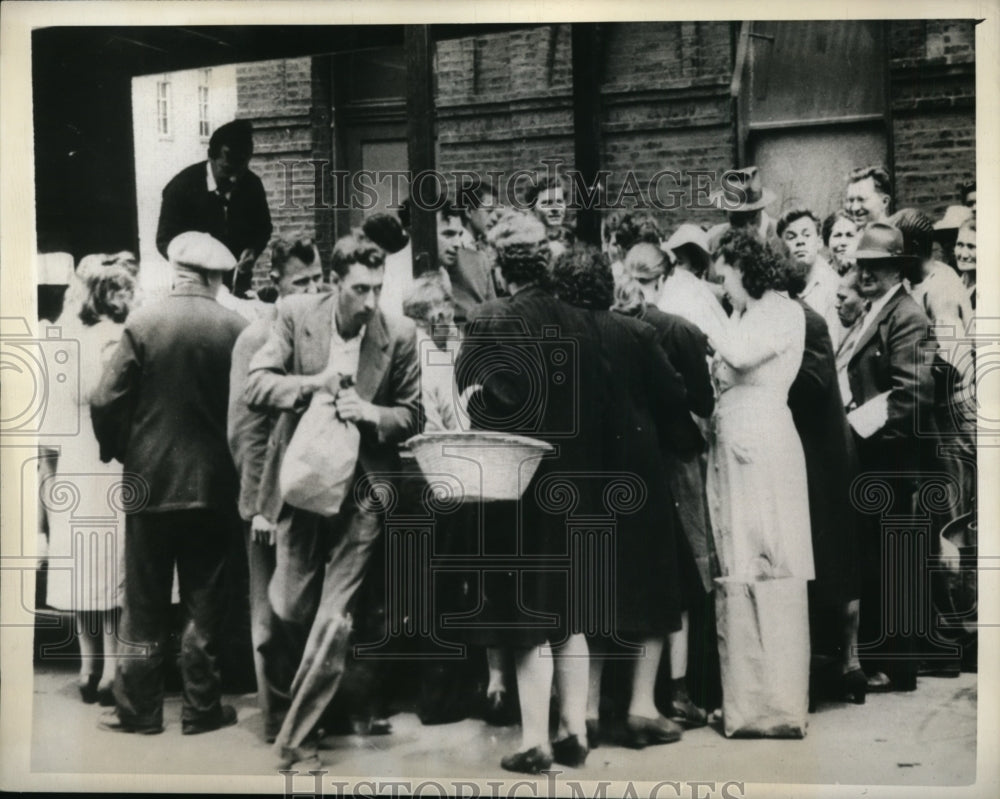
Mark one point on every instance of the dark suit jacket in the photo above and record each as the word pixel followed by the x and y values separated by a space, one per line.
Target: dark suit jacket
pixel 299 344
pixel 687 348
pixel 889 357
pixel 831 465
pixel 189 205
pixel 160 408
pixel 249 431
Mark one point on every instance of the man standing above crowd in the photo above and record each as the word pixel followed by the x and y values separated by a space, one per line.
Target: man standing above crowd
pixel 221 197
pixel 869 195
pixel 320 561
pixel 161 410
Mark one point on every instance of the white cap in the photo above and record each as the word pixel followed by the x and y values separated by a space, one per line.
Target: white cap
pixel 200 251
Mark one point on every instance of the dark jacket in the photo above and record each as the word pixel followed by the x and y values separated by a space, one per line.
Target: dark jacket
pixel 831 465
pixel 189 205
pixel 890 357
pixel 249 431
pixel 160 408
pixel 299 344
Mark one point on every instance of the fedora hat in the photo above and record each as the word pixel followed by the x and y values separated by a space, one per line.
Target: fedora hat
pixel 881 245
pixel 741 191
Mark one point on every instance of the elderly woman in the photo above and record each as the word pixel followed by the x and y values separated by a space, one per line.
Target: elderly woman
pixel 528 610
pixel 840 233
pixel 92 588
pixel 965 257
pixel 651 423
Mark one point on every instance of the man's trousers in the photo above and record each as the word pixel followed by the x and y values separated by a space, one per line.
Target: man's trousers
pixel 198 541
pixel 319 566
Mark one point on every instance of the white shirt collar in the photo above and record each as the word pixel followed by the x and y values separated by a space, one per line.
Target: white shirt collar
pixel 876 308
pixel 212 185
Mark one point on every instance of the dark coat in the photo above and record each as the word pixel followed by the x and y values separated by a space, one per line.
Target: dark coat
pixel 299 344
pixel 160 408
pixel 648 417
pixel 687 348
pixel 189 205
pixel 889 357
pixel 543 374
pixel 249 431
pixel 831 465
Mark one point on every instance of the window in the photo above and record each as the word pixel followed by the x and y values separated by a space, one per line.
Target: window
pixel 163 109
pixel 204 124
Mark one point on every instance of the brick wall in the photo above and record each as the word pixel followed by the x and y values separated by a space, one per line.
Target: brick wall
pixel 504 102
pixel 932 70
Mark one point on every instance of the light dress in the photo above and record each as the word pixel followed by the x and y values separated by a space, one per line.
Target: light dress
pixel 84 499
pixel 757 490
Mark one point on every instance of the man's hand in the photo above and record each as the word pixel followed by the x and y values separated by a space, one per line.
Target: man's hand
pixel 328 380
pixel 262 531
pixel 246 261
pixel 351 408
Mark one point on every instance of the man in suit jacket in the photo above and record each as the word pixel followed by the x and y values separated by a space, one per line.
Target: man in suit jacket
pixel 221 197
pixel 295 269
pixel 320 562
pixel 892 394
pixel 161 410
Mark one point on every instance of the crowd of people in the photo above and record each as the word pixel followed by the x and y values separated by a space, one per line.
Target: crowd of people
pixel 747 375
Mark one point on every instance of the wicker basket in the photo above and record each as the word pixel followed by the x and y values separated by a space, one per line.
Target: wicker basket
pixel 476 465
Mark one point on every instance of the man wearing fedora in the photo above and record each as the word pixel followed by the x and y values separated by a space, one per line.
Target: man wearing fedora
pixel 891 398
pixel 744 200
pixel 160 409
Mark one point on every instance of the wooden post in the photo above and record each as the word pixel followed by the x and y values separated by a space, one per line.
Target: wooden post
pixel 420 144
pixel 587 63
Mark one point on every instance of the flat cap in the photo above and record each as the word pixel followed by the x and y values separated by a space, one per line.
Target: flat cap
pixel 200 251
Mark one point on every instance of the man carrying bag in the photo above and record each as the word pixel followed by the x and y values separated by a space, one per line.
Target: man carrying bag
pixel 317 341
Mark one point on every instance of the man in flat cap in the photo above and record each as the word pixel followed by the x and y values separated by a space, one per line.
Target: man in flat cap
pixel 160 409
pixel 222 197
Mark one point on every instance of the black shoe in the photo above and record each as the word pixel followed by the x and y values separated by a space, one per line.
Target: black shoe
pixel 641 731
pixel 88 690
pixel 105 697
pixel 686 713
pixel 593 733
pixel 570 752
pixel 227 718
pixel 110 722
pixel 854 686
pixel 533 761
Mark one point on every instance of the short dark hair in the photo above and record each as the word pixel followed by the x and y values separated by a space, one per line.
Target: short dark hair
pixel 352 249
pixel 878 174
pixel 582 277
pixel 283 250
pixel 831 220
pixel 237 135
pixel 794 215
pixel 386 231
pixel 634 228
pixel 546 183
pixel 965 189
pixel 760 268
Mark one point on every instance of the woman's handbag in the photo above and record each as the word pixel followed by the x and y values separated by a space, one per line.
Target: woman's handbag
pixel 763 630
pixel 318 467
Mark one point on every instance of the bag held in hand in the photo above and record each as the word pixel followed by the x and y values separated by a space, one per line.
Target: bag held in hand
pixel 318 468
pixel 763 630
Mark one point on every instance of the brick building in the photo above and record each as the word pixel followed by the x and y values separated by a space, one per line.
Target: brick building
pixel 806 101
